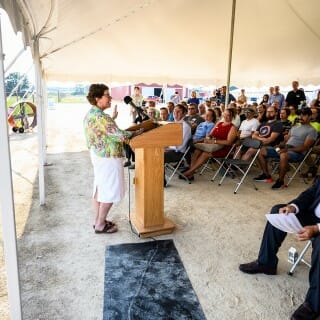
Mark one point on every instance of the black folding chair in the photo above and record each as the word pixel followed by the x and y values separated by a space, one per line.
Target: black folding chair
pixel 296 166
pixel 216 160
pixel 175 168
pixel 240 168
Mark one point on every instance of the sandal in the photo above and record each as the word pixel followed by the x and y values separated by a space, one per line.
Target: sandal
pixel 108 228
pixel 110 223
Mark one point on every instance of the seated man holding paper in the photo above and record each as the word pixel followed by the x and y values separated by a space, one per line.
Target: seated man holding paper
pixel 307 209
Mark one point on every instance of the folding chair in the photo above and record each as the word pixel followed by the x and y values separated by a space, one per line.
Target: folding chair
pixel 295 259
pixel 296 166
pixel 173 168
pixel 218 161
pixel 238 166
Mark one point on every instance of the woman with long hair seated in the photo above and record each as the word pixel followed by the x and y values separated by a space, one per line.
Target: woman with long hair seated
pixel 217 144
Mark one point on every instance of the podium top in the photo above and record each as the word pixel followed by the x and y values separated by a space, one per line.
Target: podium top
pixel 165 135
pixel 146 125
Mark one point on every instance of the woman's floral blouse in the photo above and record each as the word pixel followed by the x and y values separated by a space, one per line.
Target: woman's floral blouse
pixel 103 135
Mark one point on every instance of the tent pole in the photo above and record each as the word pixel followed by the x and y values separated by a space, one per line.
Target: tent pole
pixel 7 204
pixel 44 115
pixel 40 108
pixel 230 50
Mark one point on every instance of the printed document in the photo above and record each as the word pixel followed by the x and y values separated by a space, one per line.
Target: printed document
pixel 285 222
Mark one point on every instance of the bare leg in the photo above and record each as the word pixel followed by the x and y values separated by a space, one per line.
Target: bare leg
pixel 249 154
pixel 101 211
pixel 96 206
pixel 262 160
pixel 203 157
pixel 284 160
pixel 195 156
pixel 104 209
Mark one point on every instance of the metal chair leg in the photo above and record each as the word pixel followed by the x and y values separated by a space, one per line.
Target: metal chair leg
pixel 300 259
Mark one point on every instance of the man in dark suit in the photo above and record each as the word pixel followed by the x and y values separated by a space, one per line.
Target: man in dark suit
pixel 307 209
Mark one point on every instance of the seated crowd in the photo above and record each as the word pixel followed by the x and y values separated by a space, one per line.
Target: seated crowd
pixel 286 130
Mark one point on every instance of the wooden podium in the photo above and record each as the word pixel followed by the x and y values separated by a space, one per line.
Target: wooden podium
pixel 149 219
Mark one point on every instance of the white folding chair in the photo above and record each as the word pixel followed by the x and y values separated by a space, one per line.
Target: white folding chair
pixel 295 259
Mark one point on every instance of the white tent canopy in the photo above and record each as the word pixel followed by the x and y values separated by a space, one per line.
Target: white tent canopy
pixel 173 41
pixel 164 41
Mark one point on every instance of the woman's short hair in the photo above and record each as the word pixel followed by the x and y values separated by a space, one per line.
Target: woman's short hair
pixel 96 90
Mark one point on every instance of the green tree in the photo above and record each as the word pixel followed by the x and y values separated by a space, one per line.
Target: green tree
pixel 11 82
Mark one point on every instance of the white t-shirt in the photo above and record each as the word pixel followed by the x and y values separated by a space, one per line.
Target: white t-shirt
pixel 247 126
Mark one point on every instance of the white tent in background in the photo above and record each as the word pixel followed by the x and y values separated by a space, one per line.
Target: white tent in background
pixel 167 41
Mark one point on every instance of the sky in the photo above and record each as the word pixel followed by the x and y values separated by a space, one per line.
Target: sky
pixel 12 44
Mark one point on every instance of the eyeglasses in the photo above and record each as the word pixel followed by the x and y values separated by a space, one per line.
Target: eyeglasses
pixel 107 95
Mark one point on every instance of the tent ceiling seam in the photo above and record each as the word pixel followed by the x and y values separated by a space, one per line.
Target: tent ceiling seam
pixel 296 13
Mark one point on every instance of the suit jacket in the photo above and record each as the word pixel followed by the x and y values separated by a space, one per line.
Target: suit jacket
pixel 308 200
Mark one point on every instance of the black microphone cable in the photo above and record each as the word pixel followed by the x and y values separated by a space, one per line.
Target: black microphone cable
pixel 129 207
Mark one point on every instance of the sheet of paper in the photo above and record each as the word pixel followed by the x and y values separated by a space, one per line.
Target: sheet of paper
pixel 287 223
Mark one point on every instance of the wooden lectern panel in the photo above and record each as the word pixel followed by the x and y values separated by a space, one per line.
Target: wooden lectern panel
pixel 149 219
pixel 149 177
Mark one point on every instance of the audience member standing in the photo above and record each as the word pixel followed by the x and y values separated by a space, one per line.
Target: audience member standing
pixel 194 99
pixel 296 96
pixel 175 98
pixel 277 97
pixel 223 96
pixel 137 99
pixel 242 99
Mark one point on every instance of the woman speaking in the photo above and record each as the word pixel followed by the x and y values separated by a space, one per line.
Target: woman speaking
pixel 105 142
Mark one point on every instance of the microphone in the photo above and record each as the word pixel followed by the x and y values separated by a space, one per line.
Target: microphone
pixel 128 100
pixel 140 111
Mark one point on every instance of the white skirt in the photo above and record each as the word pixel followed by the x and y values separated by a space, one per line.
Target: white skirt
pixel 108 178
